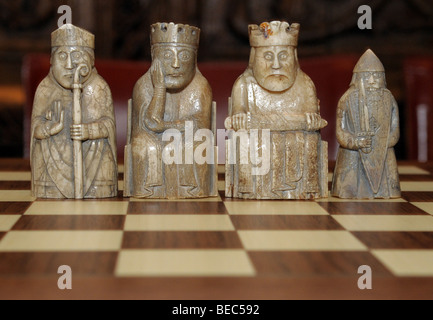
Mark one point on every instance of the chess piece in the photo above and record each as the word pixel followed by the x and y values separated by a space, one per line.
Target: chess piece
pixel 171 101
pixel 274 96
pixel 367 131
pixel 73 134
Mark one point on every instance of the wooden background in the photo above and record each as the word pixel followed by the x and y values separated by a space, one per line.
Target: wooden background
pixel 401 28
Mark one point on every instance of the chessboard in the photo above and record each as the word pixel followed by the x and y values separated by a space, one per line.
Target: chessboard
pixel 216 248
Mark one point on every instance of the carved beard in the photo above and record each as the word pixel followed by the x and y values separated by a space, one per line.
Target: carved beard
pixel 374 97
pixel 375 104
pixel 276 82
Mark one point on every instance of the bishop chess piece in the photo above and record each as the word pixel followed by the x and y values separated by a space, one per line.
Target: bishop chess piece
pixel 275 150
pixel 367 131
pixel 171 114
pixel 73 134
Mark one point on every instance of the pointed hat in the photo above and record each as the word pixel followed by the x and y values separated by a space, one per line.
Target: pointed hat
pixel 369 62
pixel 70 35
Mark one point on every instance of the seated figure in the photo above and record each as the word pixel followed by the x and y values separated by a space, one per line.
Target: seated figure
pixel 172 101
pixel 275 149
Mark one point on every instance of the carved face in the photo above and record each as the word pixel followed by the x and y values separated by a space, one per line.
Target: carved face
pixel 178 63
pixel 275 67
pixel 64 63
pixel 373 80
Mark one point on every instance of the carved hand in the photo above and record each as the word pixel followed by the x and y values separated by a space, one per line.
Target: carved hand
pixel 80 132
pixel 55 119
pixel 315 122
pixel 363 142
pixel 239 121
pixel 157 74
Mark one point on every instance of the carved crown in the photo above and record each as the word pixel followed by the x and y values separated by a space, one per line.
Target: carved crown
pixel 174 33
pixel 70 35
pixel 273 34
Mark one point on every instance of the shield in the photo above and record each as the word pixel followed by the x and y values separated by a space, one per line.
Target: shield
pixel 374 161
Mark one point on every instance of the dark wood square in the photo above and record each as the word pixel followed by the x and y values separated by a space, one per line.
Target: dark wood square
pixel 168 207
pixel 181 240
pixel 314 263
pixel 396 240
pixel 47 263
pixel 415 196
pixel 70 223
pixel 15 185
pixel 14 207
pixel 371 208
pixel 284 222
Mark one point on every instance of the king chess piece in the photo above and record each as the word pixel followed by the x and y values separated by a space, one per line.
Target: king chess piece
pixel 73 134
pixel 170 115
pixel 367 131
pixel 275 150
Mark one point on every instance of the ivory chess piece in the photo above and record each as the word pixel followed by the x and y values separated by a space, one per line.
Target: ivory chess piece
pixel 73 134
pixel 275 150
pixel 173 100
pixel 367 131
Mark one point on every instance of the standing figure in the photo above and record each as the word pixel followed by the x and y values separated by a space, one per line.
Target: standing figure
pixel 367 131
pixel 274 103
pixel 73 134
pixel 171 101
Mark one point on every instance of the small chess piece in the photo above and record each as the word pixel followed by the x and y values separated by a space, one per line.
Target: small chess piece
pixel 367 131
pixel 275 150
pixel 73 134
pixel 171 107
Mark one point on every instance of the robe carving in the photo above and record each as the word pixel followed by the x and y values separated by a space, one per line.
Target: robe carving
pixel 298 158
pixel 52 158
pixel 374 174
pixel 149 176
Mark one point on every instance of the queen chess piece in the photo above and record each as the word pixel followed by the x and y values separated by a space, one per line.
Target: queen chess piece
pixel 172 100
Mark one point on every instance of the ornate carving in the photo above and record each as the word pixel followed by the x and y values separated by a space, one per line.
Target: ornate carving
pixel 367 131
pixel 73 134
pixel 275 149
pixel 172 100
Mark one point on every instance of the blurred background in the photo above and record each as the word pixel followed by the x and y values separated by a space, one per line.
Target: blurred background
pixel 330 39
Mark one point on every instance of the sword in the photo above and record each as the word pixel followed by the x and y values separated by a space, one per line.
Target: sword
pixel 82 70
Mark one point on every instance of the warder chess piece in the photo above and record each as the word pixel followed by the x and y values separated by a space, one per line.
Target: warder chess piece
pixel 73 134
pixel 170 115
pixel 367 131
pixel 275 149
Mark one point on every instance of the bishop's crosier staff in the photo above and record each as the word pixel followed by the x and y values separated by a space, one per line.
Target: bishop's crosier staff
pixel 81 71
